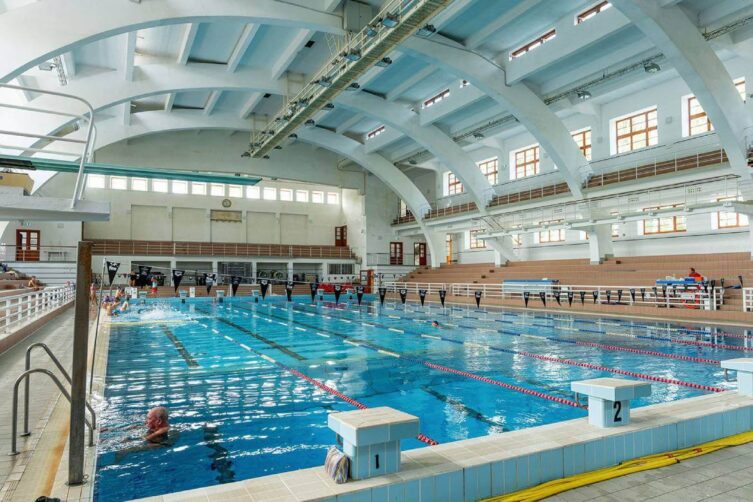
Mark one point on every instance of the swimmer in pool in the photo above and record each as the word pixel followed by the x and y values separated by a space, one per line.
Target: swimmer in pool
pixel 158 434
pixel 434 324
pixel 157 425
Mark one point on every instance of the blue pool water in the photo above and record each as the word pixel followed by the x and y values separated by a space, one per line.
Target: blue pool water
pixel 234 377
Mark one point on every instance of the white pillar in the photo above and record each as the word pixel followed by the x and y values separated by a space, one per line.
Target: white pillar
pixel 437 247
pixel 290 270
pixel 600 242
pixel 503 250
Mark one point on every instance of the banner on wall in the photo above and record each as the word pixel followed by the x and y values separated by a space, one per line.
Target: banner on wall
pixel 422 296
pixel 403 295
pixel 359 294
pixel 632 294
pixel 582 297
pixel 144 272
pixel 596 296
pixel 442 296
pixel 542 296
pixel 264 286
pixel 556 295
pixel 177 277
pixel 289 290
pixel 477 296
pixel 112 269
pixel 526 297
pixel 338 289
pixel 609 297
pixel 382 294
pixel 643 294
pixel 235 282
pixel 570 296
pixel 314 286
pixel 619 295
pixel 211 281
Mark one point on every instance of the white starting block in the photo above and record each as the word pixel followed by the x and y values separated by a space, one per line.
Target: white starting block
pixel 371 438
pixel 744 368
pixel 609 399
pixel 220 295
pixel 192 292
pixel 320 294
pixel 182 294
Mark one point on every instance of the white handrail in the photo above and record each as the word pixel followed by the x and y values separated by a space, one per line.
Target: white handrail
pixel 695 297
pixel 31 305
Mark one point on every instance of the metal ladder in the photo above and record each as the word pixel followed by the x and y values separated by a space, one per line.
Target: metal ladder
pixel 25 377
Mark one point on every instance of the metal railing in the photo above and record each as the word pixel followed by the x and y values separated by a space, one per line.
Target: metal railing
pixel 87 148
pixel 709 299
pixel 169 248
pixel 28 306
pixel 747 299
pixel 36 253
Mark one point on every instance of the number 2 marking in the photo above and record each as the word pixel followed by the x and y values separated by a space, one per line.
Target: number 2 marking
pixel 618 408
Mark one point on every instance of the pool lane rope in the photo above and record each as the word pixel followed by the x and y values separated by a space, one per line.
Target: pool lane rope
pixel 581 364
pixel 435 366
pixel 421 437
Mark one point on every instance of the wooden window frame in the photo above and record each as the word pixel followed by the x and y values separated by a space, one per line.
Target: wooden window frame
pixel 521 154
pixel 454 185
pixel 675 228
pixel 631 135
pixel 474 242
pixel 584 147
pixel 739 86
pixel 533 44
pixel 592 11
pixel 436 98
pixel 738 216
pixel 490 169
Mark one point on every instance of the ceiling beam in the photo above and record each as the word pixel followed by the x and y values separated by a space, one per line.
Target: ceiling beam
pixel 214 97
pixel 189 36
pixel 406 84
pixel 241 46
pixel 169 102
pixel 508 17
pixel 130 55
pixel 69 64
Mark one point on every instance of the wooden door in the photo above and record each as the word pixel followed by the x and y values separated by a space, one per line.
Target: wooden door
pixel 341 236
pixel 27 245
pixel 419 254
pixel 448 240
pixel 396 253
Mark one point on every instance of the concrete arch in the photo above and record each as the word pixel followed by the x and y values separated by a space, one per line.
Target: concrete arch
pixel 71 23
pixel 526 106
pixel 675 34
pixel 430 137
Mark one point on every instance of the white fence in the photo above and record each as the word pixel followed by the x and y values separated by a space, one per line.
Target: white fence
pixel 679 297
pixel 747 299
pixel 26 307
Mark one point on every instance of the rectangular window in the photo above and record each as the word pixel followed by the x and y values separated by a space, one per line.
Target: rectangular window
pixel 95 181
pixel 235 191
pixel 317 197
pixel 591 12
pixel 333 198
pixel 118 183
pixel 436 99
pixel 376 132
pixel 474 242
pixel 198 188
pixel 286 194
pixel 269 193
pixel 527 161
pixel 159 186
pixel 664 224
pixel 490 169
pixel 583 140
pixel 402 209
pixel 253 192
pixel 217 190
pixel 547 236
pixel 139 184
pixel 180 187
pixel 537 42
pixel 637 131
pixel 454 186
pixel 301 195
pixel 726 219
pixel 698 121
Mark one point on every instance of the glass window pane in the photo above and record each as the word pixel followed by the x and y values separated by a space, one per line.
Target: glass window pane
pixel 235 191
pixel 317 197
pixel 252 192
pixel 333 198
pixel 198 188
pixel 217 189
pixel 302 195
pixel 95 180
pixel 118 182
pixel 286 194
pixel 159 186
pixel 139 184
pixel 270 193
pixel 180 187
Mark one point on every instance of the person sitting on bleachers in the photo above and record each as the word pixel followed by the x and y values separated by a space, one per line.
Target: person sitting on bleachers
pixel 695 275
pixel 34 283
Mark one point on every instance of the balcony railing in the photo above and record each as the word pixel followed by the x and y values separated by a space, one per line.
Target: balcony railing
pixel 19 309
pixel 170 248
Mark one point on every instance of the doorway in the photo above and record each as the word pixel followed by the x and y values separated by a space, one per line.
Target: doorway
pixel 396 253
pixel 27 245
pixel 341 236
pixel 419 254
pixel 448 241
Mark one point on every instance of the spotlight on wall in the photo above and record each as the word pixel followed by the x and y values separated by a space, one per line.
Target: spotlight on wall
pixel 426 30
pixel 329 106
pixel 245 155
pixel 353 87
pixel 478 135
pixel 293 136
pixel 278 147
pixel 651 68
pixel 390 20
pixel 583 95
pixel 310 123
pixel 384 62
pixel 266 157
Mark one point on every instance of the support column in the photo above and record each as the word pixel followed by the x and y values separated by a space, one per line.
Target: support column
pixel 78 366
pixel 253 269
pixel 503 250
pixel 435 241
pixel 600 242
pixel 290 270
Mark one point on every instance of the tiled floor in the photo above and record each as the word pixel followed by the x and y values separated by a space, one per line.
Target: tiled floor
pixel 58 336
pixel 725 475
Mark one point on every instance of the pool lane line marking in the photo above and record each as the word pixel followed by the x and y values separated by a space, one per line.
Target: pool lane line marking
pixel 262 339
pixel 570 362
pixel 421 437
pixel 458 405
pixel 447 369
pixel 187 357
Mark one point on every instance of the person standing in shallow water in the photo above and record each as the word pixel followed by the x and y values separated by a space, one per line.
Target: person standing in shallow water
pixel 157 425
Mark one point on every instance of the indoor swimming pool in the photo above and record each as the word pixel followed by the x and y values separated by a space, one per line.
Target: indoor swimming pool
pixel 249 385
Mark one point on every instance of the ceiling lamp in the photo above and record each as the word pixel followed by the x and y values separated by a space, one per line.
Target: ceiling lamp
pixel 245 155
pixel 353 87
pixel 352 55
pixel 478 135
pixel 426 30
pixel 310 123
pixel 371 31
pixel 390 21
pixel 324 81
pixel 329 106
pixel 384 62
pixel 651 68
pixel 583 94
